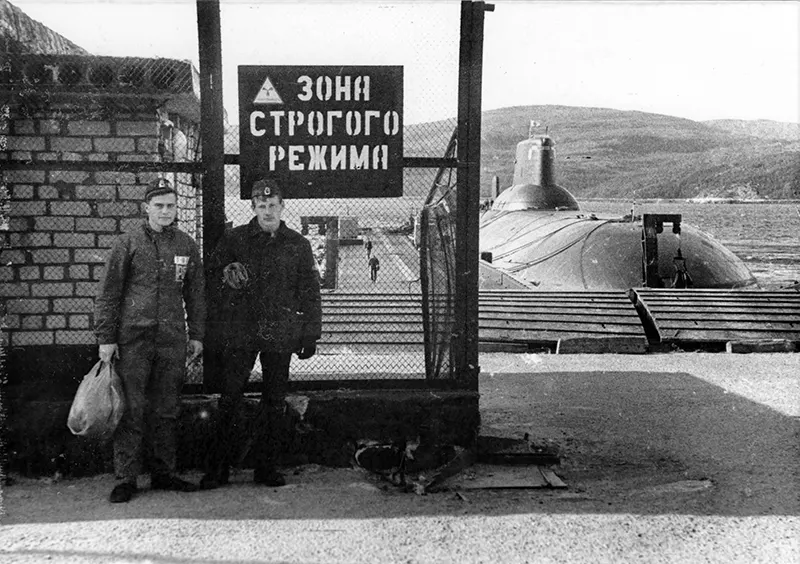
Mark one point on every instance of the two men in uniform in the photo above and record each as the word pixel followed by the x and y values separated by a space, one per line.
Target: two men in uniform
pixel 154 286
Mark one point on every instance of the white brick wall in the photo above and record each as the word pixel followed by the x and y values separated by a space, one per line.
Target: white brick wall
pixel 62 222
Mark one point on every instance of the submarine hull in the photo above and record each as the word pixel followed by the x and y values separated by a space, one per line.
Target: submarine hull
pixel 536 233
pixel 565 250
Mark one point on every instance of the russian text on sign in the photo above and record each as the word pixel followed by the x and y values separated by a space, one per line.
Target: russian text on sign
pixel 329 123
pixel 330 157
pixel 339 88
pixel 323 131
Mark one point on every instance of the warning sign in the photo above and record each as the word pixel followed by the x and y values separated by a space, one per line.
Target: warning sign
pixel 267 94
pixel 323 132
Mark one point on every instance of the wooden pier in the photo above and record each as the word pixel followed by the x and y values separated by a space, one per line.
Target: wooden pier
pixel 632 321
pixel 562 322
pixel 709 319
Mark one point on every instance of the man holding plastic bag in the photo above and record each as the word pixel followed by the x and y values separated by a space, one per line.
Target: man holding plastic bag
pixel 151 273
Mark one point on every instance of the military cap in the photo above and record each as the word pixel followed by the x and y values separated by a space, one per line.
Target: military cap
pixel 158 187
pixel 266 188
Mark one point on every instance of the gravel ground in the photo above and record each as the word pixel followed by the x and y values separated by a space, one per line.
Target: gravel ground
pixel 685 457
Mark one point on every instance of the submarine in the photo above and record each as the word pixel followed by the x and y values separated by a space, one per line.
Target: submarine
pixel 535 233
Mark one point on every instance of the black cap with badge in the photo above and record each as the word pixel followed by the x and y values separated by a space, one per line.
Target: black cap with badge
pixel 266 189
pixel 158 187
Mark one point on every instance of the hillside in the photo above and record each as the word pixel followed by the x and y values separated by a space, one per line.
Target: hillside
pixel 20 33
pixel 605 153
pixel 762 128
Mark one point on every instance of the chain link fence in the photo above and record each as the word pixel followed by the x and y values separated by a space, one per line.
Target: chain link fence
pixel 85 134
pixel 436 237
pixel 368 256
pixel 367 249
pixel 372 317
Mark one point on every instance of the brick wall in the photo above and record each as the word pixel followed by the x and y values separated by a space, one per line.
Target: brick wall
pixel 61 223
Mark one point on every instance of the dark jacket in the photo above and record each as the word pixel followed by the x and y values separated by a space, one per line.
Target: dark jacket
pixel 281 304
pixel 149 277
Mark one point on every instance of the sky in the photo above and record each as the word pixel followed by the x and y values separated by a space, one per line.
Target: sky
pixel 696 60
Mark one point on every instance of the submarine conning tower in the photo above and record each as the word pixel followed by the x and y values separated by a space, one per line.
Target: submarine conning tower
pixel 534 185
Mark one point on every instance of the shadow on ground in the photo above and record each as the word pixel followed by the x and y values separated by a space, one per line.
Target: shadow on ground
pixel 650 443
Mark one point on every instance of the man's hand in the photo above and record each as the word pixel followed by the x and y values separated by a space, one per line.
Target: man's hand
pixel 235 275
pixel 107 353
pixel 195 350
pixel 306 348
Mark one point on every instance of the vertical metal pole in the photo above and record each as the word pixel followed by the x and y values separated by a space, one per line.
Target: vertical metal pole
pixel 212 128
pixel 212 135
pixel 465 345
pixel 425 287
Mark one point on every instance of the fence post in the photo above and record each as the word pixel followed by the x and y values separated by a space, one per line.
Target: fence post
pixel 465 343
pixel 213 149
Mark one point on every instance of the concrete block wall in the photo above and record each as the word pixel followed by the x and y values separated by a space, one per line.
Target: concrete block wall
pixel 61 223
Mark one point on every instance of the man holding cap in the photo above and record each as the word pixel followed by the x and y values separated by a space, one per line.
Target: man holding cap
pixel 151 273
pixel 271 304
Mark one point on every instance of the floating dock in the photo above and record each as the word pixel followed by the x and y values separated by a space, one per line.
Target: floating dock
pixel 638 320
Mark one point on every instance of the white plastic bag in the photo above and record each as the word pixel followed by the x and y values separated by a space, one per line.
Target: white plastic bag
pixel 98 404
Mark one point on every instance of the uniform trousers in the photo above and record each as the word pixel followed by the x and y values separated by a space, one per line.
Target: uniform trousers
pixel 152 371
pixel 265 433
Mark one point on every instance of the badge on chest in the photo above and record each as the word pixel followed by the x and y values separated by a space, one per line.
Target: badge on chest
pixel 181 264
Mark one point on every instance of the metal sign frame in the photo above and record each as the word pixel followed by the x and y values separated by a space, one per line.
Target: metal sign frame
pixel 322 131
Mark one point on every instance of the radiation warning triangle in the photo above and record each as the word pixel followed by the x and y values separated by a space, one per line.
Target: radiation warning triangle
pixel 267 94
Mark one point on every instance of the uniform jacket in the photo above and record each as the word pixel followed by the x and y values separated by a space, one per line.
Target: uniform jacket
pixel 149 277
pixel 280 305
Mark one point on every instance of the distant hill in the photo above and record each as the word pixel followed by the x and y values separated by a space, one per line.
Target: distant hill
pixel 605 153
pixel 22 34
pixel 762 128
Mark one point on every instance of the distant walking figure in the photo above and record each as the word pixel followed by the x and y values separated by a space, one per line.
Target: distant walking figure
pixel 368 246
pixel 374 266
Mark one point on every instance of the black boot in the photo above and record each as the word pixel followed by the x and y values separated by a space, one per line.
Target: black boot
pixel 269 477
pixel 211 480
pixel 123 492
pixel 171 483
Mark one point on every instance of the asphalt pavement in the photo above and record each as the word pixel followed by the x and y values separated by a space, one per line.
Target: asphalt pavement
pixel 679 457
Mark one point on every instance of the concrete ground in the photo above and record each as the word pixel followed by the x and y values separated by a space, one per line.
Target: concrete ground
pixel 681 457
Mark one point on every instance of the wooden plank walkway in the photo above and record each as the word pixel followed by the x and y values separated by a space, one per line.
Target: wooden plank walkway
pixel 386 316
pixel 589 321
pixel 595 321
pixel 371 323
pixel 716 317
pixel 619 321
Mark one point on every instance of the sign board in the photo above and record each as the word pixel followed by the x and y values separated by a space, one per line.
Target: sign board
pixel 322 131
